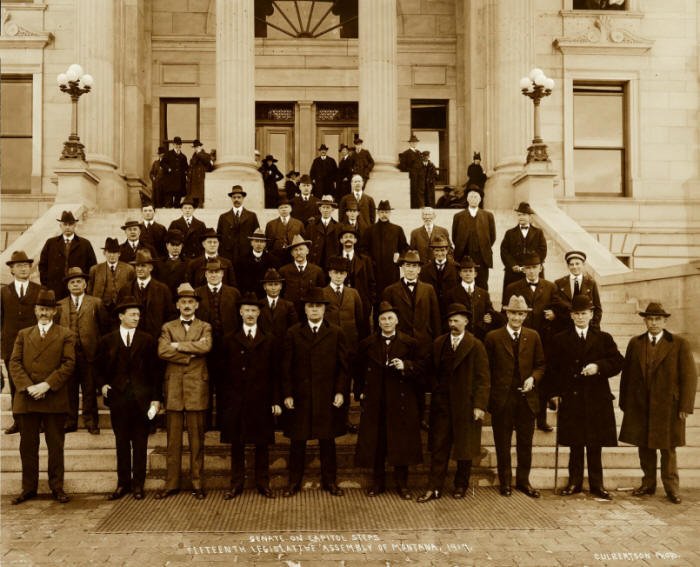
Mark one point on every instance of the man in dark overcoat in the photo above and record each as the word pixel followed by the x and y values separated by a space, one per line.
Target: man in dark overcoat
pixel 583 360
pixel 152 232
pixel 281 230
pixel 520 240
pixel 126 371
pixel 62 252
pixel 174 183
pixel 460 394
pixel 305 205
pixel 252 265
pixel 657 394
pixel 577 283
pixel 133 242
pixel 362 161
pixel 172 271
pixel 277 314
pixel 210 253
pixel 385 242
pixel 191 229
pixel 300 275
pixel 410 161
pixel 323 173
pixel 517 363
pixel 248 397
pixel 235 227
pixel 107 278
pixel 442 273
pixel 17 301
pixel 201 162
pixel 314 377
pixel 345 167
pixel 386 385
pixel 365 203
pixel 42 361
pixel 322 233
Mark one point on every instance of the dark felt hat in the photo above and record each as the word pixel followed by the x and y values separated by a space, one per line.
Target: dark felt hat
pixel 385 306
pixel 338 263
pixel 111 245
pixel 258 234
pixel 457 309
pixel 384 206
pixel 177 140
pixel 196 144
pixel 351 204
pixel 250 298
pixel 477 155
pixel 187 201
pixel 413 138
pixel 328 200
pixel 358 141
pixel 237 190
pixel 174 236
pixel 654 309
pixel 213 266
pixel 410 257
pixel 314 295
pixel 292 173
pixel 283 201
pixel 162 149
pixel 345 229
pixel 467 262
pixel 19 257
pixel 323 147
pixel 74 272
pixel 46 298
pixel 529 259
pixel 270 157
pixel 67 217
pixel 305 180
pixel 272 275
pixel 208 233
pixel 525 208
pixel 143 256
pixel 130 223
pixel 127 302
pixel 580 303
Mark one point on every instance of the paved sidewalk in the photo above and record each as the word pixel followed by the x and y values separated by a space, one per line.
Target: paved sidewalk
pixel 629 530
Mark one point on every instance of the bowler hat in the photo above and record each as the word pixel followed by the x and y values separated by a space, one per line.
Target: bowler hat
pixel 177 140
pixel 187 201
pixel 413 138
pixel 338 263
pixel 384 206
pixel 346 229
pixel 174 236
pixel 385 306
pixel 250 298
pixel 425 153
pixel 467 262
pixel 457 309
pixel 581 302
pixel 143 256
pixel 516 303
pixel 314 295
pixel 237 190
pixel 525 208
pixel 351 204
pixel 46 298
pixel 130 223
pixel 196 144
pixel 19 257
pixel 208 233
pixel 272 275
pixel 323 147
pixel 258 234
pixel 410 257
pixel 305 180
pixel 111 245
pixel 270 157
pixel 439 242
pixel 127 302
pixel 358 141
pixel 575 255
pixel 67 217
pixel 328 200
pixel 162 149
pixel 298 240
pixel 213 266
pixel 654 309
pixel 74 272
pixel 477 155
pixel 529 259
pixel 186 290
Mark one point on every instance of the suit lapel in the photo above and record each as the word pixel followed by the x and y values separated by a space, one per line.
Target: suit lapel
pixel 662 350
pixel 463 349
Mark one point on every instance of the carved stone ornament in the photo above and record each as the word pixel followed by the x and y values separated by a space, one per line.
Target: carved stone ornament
pixel 12 32
pixel 602 34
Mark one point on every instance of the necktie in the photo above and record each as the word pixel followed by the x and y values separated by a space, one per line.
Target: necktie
pixel 42 332
pixel 577 288
pixel 583 337
pixel 250 335
pixel 188 221
pixel 315 330
pixel 301 269
pixel 347 256
pixel 77 303
pixel 113 269
pixel 440 267
pixel 238 215
pixel 133 245
pixel 455 342
pixel 214 290
pixel 128 339
pixel 142 286
pixel 21 291
pixel 273 304
pixel 653 341
pixel 339 293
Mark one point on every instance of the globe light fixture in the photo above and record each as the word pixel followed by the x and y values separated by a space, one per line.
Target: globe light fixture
pixel 75 82
pixel 536 86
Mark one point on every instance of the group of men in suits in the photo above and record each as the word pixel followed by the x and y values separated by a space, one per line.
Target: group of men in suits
pixel 289 321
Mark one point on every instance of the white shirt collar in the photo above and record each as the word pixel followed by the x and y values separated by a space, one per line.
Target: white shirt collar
pixel 337 288
pixel 257 254
pixel 110 266
pixel 313 326
pixel 78 297
pixel 512 331
pixel 440 263
pixel 188 320
pixel 658 337
pixel 143 282
pixel 237 210
pixel 68 238
pixel 301 265
pixel 409 282
pixel 457 338
pixel 215 287
pixel 19 283
pixel 468 286
pixel 271 299
pixel 123 331
pixel 253 329
pixel 46 327
pixel 573 277
pixel 579 331
pixel 473 211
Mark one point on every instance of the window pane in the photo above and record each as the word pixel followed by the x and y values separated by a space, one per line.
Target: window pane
pixel 598 120
pixel 599 171
pixel 16 107
pixel 599 4
pixel 181 121
pixel 16 170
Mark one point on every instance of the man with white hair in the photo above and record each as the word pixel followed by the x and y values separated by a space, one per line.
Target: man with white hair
pixel 423 236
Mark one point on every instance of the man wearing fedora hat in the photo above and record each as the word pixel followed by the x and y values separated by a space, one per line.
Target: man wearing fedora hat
pixel 305 205
pixel 184 344
pixel 322 233
pixel 657 394
pixel 62 252
pixel 271 175
pixel 519 240
pixel 236 226
pixel 126 369
pixel 252 265
pixel 362 162
pixel 248 397
pixel 276 313
pixel 281 230
pixel 152 232
pixel 583 360
pixel 196 267
pixel 323 172
pixel 459 397
pixel 389 369
pixel 160 168
pixel 354 220
pixel 41 364
pixel 16 311
pixel 411 161
pixel 474 234
pixel 87 318
pixel 441 272
pixel 191 229
pixel 107 278
pixel 345 166
pixel 422 236
pixel 175 178
pixel 365 203
pixel 427 176
pixel 314 379
pixel 577 282
pixel 133 242
pixel 300 275
pixel 172 270
pixel 201 162
pixel 517 364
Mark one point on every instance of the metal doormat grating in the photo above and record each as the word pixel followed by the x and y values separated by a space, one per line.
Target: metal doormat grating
pixel 315 510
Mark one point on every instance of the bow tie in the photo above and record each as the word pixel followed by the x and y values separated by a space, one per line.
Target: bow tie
pixel 186 323
pixel 532 285
pixel 524 227
pixel 391 338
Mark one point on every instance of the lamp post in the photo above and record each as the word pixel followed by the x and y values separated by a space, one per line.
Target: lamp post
pixel 536 86
pixel 76 83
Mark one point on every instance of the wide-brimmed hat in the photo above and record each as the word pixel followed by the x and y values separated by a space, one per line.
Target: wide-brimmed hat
pixel 439 242
pixel 292 173
pixel 457 309
pixel 19 257
pixel 186 290
pixel 525 208
pixel 111 245
pixel 283 201
pixel 467 262
pixel 581 302
pixel 237 190
pixel 654 309
pixel 328 200
pixel 130 223
pixel 314 295
pixel 323 147
pixel 529 259
pixel 385 306
pixel 574 255
pixel 345 229
pixel 351 204
pixel 143 256
pixel 174 236
pixel 425 153
pixel 271 276
pixel 384 206
pixel 177 140
pixel 305 180
pixel 188 201
pixel 67 217
pixel 127 302
pixel 413 138
pixel 208 233
pixel 258 234
pixel 213 266
pixel 338 263
pixel 74 272
pixel 517 303
pixel 196 144
pixel 410 257
pixel 270 157
pixel 46 298
pixel 250 298
pixel 298 240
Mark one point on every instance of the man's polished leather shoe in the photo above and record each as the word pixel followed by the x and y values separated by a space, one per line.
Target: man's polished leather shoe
pixel 23 497
pixel 459 492
pixel 545 427
pixel 601 493
pixel 333 489
pixel 404 493
pixel 265 491
pixel 60 496
pixel 120 492
pixel 376 490
pixel 644 491
pixel 528 491
pixel 12 429
pixel 233 492
pixel 199 493
pixel 505 491
pixel 165 493
pixel 138 493
pixel 673 497
pixel 291 490
pixel 571 489
pixel 429 495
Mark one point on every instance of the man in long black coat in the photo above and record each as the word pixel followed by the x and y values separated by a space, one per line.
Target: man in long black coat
pixel 474 234
pixel 345 167
pixel 174 183
pixel 252 265
pixel 441 272
pixel 314 377
pixel 248 397
pixel 390 423
pixel 305 205
pixel 584 359
pixel 62 252
pixel 191 229
pixel 519 240
pixel 277 314
pixel 323 173
pixel 300 275
pixel 236 226
pixel 172 271
pixel 411 161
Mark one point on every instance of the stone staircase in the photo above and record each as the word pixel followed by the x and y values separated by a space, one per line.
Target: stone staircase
pixel 91 462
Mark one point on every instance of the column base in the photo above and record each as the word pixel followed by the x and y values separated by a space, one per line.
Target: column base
pixel 535 184
pixel 392 185
pixel 76 184
pixel 218 183
pixel 134 187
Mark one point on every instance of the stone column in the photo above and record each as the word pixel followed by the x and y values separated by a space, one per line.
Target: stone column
pixel 97 24
pixel 379 100
pixel 235 106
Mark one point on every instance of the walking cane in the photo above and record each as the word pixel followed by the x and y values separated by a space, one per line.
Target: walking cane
pixel 556 448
